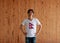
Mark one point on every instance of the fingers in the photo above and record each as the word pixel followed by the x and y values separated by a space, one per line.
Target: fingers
pixel 25 33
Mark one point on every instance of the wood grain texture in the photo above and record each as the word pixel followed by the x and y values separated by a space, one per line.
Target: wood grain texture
pixel 13 12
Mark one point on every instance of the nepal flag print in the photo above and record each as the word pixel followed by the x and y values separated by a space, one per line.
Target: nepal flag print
pixel 31 26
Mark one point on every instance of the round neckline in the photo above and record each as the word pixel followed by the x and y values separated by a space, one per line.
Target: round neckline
pixel 30 20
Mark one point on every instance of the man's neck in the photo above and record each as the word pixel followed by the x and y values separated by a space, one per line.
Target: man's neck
pixel 30 18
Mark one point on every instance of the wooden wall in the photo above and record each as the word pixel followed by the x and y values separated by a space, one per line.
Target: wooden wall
pixel 12 12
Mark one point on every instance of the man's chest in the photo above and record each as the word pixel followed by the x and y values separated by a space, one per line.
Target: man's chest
pixel 30 23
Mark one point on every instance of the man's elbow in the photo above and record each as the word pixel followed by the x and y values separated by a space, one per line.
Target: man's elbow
pixel 40 26
pixel 20 26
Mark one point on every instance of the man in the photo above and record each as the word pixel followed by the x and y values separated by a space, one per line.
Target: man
pixel 30 23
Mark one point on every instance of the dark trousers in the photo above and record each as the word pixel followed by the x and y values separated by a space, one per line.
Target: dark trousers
pixel 30 39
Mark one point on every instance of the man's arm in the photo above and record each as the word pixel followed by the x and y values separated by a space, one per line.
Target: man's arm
pixel 21 27
pixel 39 27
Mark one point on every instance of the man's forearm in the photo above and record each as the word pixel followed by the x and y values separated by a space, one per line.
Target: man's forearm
pixel 21 27
pixel 40 27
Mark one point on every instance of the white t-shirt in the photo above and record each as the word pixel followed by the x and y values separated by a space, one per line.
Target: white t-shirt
pixel 31 26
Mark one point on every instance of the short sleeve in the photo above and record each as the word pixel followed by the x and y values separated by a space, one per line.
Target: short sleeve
pixel 23 22
pixel 38 22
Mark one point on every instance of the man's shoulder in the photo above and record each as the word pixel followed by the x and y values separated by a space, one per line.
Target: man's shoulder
pixel 25 19
pixel 35 18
